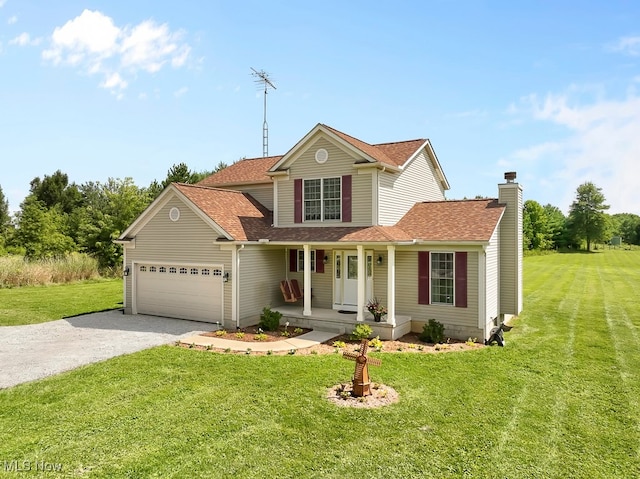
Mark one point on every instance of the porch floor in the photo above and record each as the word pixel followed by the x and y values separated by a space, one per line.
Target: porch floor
pixel 323 319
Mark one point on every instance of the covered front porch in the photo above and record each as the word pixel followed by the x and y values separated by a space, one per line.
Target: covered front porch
pixel 324 319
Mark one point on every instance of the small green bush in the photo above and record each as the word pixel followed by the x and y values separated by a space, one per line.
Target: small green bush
pixel 432 332
pixel 270 320
pixel 361 331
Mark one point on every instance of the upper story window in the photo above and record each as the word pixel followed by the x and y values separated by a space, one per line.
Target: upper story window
pixel 322 199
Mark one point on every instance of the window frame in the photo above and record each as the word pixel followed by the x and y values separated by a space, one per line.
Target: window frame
pixel 324 202
pixel 300 265
pixel 435 277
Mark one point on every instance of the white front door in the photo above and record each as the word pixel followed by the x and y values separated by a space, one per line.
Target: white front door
pixel 346 279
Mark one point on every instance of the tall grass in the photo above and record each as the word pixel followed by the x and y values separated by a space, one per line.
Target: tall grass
pixel 17 271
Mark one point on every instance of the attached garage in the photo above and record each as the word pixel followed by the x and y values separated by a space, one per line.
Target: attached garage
pixel 192 292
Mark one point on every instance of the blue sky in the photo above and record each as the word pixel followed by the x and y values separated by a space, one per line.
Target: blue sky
pixel 120 89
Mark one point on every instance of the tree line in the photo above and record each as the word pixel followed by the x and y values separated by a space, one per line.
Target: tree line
pixel 58 217
pixel 547 228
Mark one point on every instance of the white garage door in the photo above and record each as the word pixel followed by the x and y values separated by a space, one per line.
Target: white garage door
pixel 178 291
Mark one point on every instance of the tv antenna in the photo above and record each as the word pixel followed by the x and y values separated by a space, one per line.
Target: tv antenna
pixel 262 78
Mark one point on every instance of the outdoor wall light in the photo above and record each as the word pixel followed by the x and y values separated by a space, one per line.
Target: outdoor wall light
pixel 225 277
pixel 379 262
pixel 325 260
pixel 126 271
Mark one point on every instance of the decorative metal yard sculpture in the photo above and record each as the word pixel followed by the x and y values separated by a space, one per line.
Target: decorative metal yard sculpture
pixel 361 383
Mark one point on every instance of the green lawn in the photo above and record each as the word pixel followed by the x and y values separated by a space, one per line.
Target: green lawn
pixel 38 304
pixel 560 401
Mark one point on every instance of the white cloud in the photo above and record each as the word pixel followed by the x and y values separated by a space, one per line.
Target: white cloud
pixel 24 39
pixel 602 145
pixel 181 92
pixel 2 2
pixel 12 20
pixel 114 81
pixel 94 44
pixel 628 45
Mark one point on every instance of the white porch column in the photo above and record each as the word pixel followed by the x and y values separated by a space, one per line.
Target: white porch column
pixel 306 310
pixel 362 283
pixel 391 284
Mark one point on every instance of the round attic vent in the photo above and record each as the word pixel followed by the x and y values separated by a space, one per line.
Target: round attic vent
pixel 322 156
pixel 174 214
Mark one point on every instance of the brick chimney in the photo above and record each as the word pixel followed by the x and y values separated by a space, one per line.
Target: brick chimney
pixel 510 194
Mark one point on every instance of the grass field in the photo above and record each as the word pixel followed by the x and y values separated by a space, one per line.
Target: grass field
pixel 38 304
pixel 559 401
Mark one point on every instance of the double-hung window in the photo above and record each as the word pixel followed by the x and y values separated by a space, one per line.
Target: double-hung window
pixel 322 199
pixel 442 278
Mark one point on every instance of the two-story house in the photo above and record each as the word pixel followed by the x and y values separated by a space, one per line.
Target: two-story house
pixel 350 221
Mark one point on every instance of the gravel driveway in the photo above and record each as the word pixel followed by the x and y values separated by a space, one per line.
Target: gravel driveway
pixel 36 351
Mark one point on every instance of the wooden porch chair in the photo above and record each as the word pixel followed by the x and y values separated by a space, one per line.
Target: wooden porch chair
pixel 285 287
pixel 295 289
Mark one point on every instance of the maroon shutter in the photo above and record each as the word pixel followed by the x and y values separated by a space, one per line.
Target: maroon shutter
pixel 297 200
pixel 293 260
pixel 319 261
pixel 461 279
pixel 424 268
pixel 346 199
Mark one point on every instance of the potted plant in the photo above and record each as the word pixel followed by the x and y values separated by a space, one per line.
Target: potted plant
pixel 375 307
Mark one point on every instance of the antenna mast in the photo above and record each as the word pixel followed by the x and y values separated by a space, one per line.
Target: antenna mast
pixel 262 77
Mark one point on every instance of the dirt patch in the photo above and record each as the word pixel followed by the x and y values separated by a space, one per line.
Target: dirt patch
pixel 381 395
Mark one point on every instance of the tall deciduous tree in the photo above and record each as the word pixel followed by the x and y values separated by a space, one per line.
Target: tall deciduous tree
pixel 587 217
pixel 42 231
pixel 557 224
pixel 535 226
pixel 55 190
pixel 109 209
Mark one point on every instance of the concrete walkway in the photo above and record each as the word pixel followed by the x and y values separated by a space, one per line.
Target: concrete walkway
pixel 299 342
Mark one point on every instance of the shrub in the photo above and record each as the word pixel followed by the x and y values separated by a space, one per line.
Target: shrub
pixel 270 320
pixel 260 337
pixel 375 343
pixel 432 332
pixel 361 331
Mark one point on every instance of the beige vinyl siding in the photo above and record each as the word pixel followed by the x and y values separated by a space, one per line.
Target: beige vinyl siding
pixel 189 241
pixel 460 323
pixel 398 192
pixel 380 276
pixel 262 193
pixel 511 249
pixel 492 280
pixel 340 163
pixel 261 269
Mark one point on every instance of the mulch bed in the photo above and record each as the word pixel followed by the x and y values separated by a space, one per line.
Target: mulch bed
pixel 249 334
pixel 381 395
pixel 409 343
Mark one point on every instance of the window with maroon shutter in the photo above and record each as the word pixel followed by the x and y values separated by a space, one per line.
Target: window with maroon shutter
pixel 461 279
pixel 442 278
